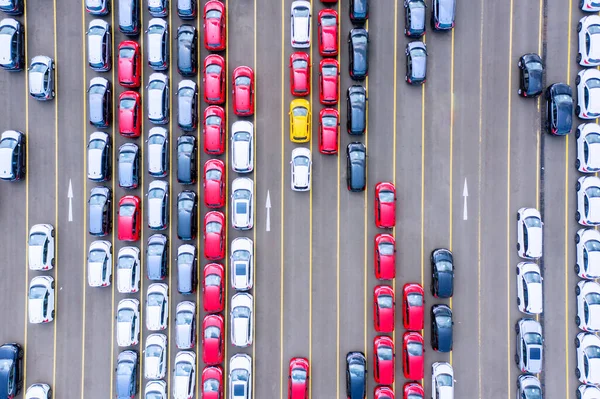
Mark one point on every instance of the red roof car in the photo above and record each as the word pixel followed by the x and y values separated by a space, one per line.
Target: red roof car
pixel 385 256
pixel 214 130
pixel 384 308
pixel 214 235
pixel 214 79
pixel 212 383
pixel 214 183
pixel 383 359
pixel 129 218
pixel 129 64
pixel 329 126
pixel 214 25
pixel 213 344
pixel 383 392
pixel 300 74
pixel 213 288
pixel 328 33
pixel 329 80
pixel 299 374
pixel 413 304
pixel 130 115
pixel 413 390
pixel 385 205
pixel 243 91
pixel 413 349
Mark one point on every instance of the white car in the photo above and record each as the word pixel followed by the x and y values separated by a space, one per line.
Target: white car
pixel 529 288
pixel 98 157
pixel 301 169
pixel 158 205
pixel 155 357
pixel 185 325
pixel 588 94
pixel 99 263
pixel 301 24
pixel 588 391
pixel 528 387
pixel 589 41
pixel 242 203
pixel 158 99
pixel 184 375
pixel 41 77
pixel 242 264
pixel 41 300
pixel 158 152
pixel 442 381
pixel 530 346
pixel 588 148
pixel 242 147
pixel 588 358
pixel 128 322
pixel 240 376
pixel 39 391
pixel 156 390
pixel 41 247
pixel 588 201
pixel 588 306
pixel 128 270
pixel 588 253
pixel 529 233
pixel 241 319
pixel 158 42
pixel 589 5
pixel 157 307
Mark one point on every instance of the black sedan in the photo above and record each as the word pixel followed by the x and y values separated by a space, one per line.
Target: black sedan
pixel 531 72
pixel 559 109
pixel 441 328
pixel 356 104
pixel 356 166
pixel 442 273
pixel 358 49
pixel 11 370
pixel 186 159
pixel 187 215
pixel 356 375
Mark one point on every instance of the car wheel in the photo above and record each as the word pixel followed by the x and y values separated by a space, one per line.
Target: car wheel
pixel 577 342
pixel 578 394
pixel 517 360
pixel 577 186
pixel 53 313
pixel 577 163
pixel 52 284
pixel 579 58
pixel 517 270
pixel 52 262
pixel 518 301
pixel 53 93
pixel 578 80
pixel 577 269
pixel 577 238
pixel 577 217
pixel 577 290
pixel 519 64
pixel 518 216
pixel 577 320
pixel 581 4
pixel 577 110
pixel 579 26
pixel 21 353
pixel 520 91
pixel 517 328
pixel 518 247
pixel 20 386
pixel 50 393
pixel 577 373
pixel 577 133
pixel 52 232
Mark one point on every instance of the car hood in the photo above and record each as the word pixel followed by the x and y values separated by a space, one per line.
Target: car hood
pixel 301 176
pixel 242 155
pixel 155 154
pixel 154 266
pixel 534 245
pixel 95 41
pixel 419 67
pixel 36 310
pixel 35 256
pixel 124 280
pixel 534 305
pixel 6 162
pixel 123 333
pixel 417 21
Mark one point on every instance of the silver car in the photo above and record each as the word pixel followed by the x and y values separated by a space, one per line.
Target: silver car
pixel 242 263
pixel 38 391
pixel 185 325
pixel 240 376
pixel 300 24
pixel 41 78
pixel 442 381
pixel 301 169
pixel 242 147
pixel 158 8
pixel 242 203
pixel 128 270
pixel 97 7
pixel 128 322
pixel 529 346
pixel 158 98
pixel 99 263
pixel 242 305
pixel 184 375
pixel 155 357
pixel 41 300
pixel 156 390
pixel 158 205
pixel 158 44
pixel 187 109
pixel 158 152
pixel 129 166
pixel 99 157
pixel 99 45
pixel 157 307
pixel 41 247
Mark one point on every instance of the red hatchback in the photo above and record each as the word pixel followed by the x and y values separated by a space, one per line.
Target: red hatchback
pixel 213 344
pixel 214 235
pixel 414 306
pixel 212 383
pixel 413 358
pixel 214 79
pixel 383 392
pixel 413 390
pixel 214 25
pixel 300 74
pixel 129 218
pixel 328 33
pixel 383 359
pixel 298 376
pixel 329 80
pixel 385 205
pixel 329 126
pixel 214 130
pixel 130 115
pixel 385 256
pixel 384 307
pixel 129 64
pixel 243 91
pixel 214 183
pixel 213 288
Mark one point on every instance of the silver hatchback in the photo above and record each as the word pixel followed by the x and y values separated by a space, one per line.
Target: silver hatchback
pixel 41 78
pixel 99 45
pixel 158 99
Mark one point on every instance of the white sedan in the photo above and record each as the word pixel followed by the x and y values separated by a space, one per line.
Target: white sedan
pixel 41 300
pixel 588 148
pixel 128 322
pixel 589 5
pixel 588 358
pixel 242 147
pixel 442 381
pixel 100 264
pixel 41 247
pixel 242 203
pixel 587 249
pixel 529 288
pixel 155 357
pixel 588 201
pixel 242 263
pixel 157 307
pixel 589 41
pixel 39 391
pixel 588 94
pixel 529 233
pixel 301 169
pixel 184 375
pixel 588 306
pixel 128 270
pixel 241 319
pixel 240 376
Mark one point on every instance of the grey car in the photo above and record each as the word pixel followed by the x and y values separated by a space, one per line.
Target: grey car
pixel 158 44
pixel 416 63
pixel 356 105
pixel 187 108
pixel 186 9
pixel 414 18
pixel 129 166
pixel 127 370
pixel 530 345
pixel 356 166
pixel 158 152
pixel 158 8
pixel 157 257
pixel 443 13
pixel 100 211
pixel 41 78
pixel 187 275
pixel 99 157
pixel 99 45
pixel 158 99
pixel 97 7
pixel 185 325
pixel 12 45
pixel 187 215
pixel 187 49
pixel 100 100
pixel 186 159
pixel 12 155
pixel 528 387
pixel 158 205
pixel 129 17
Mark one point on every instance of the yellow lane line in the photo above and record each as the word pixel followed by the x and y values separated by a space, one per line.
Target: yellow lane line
pixel 199 174
pixel 83 199
pixel 479 176
pixel 56 235
pixel 310 219
pixel 26 321
pixel 254 295
pixel 281 246
pixel 337 240
pixel 538 132
pixel 366 197
pixel 394 126
pixel 227 143
pixel 508 210
pixel 171 218
pixel 422 238
pixel 141 188
pixel 115 85
pixel 451 145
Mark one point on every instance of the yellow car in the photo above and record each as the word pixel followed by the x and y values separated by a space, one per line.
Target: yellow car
pixel 300 118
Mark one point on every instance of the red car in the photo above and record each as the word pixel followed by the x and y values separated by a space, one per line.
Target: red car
pixel 213 344
pixel 130 71
pixel 214 25
pixel 243 91
pixel 383 392
pixel 413 358
pixel 214 79
pixel 212 383
pixel 413 390
pixel 384 307
pixel 130 115
pixel 298 378
pixel 129 218
pixel 214 235
pixel 300 74
pixel 328 32
pixel 213 288
pixel 329 80
pixel 214 130
pixel 383 359
pixel 329 123
pixel 385 205
pixel 214 183
pixel 385 256
pixel 414 306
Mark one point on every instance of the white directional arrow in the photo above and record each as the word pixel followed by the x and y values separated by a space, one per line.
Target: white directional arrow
pixel 70 197
pixel 465 195
pixel 268 206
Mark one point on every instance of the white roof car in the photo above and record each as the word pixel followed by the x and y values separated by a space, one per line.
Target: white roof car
pixel 156 390
pixel 588 148
pixel 528 387
pixel 41 247
pixel 301 169
pixel 588 253
pixel 588 358
pixel 155 357
pixel 242 264
pixel 590 5
pixel 531 343
pixel 241 319
pixel 128 270
pixel 588 306
pixel 184 375
pixel 588 201
pixel 41 78
pixel 98 155
pixel 158 151
pixel 157 307
pixel 242 146
pixel 158 204
pixel 240 376
pixel 99 264
pixel 242 203
pixel 8 148
pixel 588 391
pixel 588 94
pixel 128 322
pixel 99 43
pixel 185 325
pixel 301 24
pixel 442 381
pixel 158 32
pixel 38 391
pixel 589 41
pixel 158 98
pixel 41 299
pixel 529 233
pixel 529 288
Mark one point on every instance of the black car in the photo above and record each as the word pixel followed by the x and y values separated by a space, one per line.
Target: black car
pixel 157 250
pixel 186 9
pixel 441 328
pixel 12 7
pixel 559 109
pixel 531 72
pixel 100 99
pixel 358 49
pixel 443 13
pixel 356 105
pixel 414 18
pixel 11 370
pixel 129 17
pixel 187 215
pixel 187 264
pixel 129 166
pixel 187 49
pixel 356 166
pixel 359 11
pixel 100 211
pixel 356 375
pixel 12 155
pixel 186 159
pixel 442 273
pixel 416 63
pixel 187 105
pixel 12 45
pixel 126 381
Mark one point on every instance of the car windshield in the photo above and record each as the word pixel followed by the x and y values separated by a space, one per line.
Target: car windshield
pixel 301 161
pixel 593 192
pixel 239 375
pixel 532 392
pixel 444 321
pixel 386 249
pixel 414 299
pixel 97 89
pixel 96 144
pixel 36 239
pixel 213 14
pixel 125 315
pixel 328 20
pixel 185 258
pixel 185 148
pixel 38 67
pixel 444 380
pixel 183 369
pixel 357 155
pixel 212 280
pixel 97 199
pixel 213 174
pixel 298 375
pixel 126 262
pixel 186 92
pixel 357 370
pixel 155 299
pixel 241 136
pixel 37 292
pixel 126 52
pixel 213 69
pixel 593 83
pixel 213 227
pixel 414 396
pixel 213 120
pixel 563 98
pixel 126 156
pixel 301 12
pixel 592 245
pixel 385 353
pixel 8 143
pixel 7 30
pixel 241 312
pixel 156 193
pixel 156 139
pixel 155 29
pixel 241 194
pixel 386 196
pixel 126 210
pixel 533 339
pixel 385 301
pixel 300 64
pixel 184 318
pixel 533 222
pixel 444 266
pixel 592 352
pixel 414 348
pixel 418 52
pixel 156 85
pixel 186 205
pixel 153 351
pixel 532 277
pixel 329 121
pixel 300 111
pixel 5 365
pixel 359 40
pixel 97 255
pixel 212 332
pixel 535 66
pixel 127 103
pixel 210 385
pixel 96 30
pixel 330 70
pixel 155 249
pixel 593 298
pixel 242 81
pixel 125 368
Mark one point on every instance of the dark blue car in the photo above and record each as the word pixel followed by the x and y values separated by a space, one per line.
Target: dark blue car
pixel 11 370
pixel 442 273
pixel 356 375
pixel 359 11
pixel 358 49
pixel 441 328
